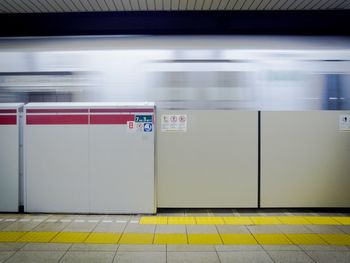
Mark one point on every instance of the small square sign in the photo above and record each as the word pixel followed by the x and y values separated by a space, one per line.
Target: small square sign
pixel 147 127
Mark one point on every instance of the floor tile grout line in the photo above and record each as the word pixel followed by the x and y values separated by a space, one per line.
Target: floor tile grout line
pixel 187 237
pixel 222 241
pixel 115 254
pixel 65 253
pixel 6 260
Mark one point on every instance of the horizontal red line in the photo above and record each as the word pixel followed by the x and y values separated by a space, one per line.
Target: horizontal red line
pixel 121 110
pixel 8 111
pixel 56 119
pixel 8 119
pixel 111 119
pixel 56 110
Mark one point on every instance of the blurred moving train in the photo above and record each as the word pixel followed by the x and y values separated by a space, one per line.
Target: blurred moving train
pixel 278 73
pixel 263 113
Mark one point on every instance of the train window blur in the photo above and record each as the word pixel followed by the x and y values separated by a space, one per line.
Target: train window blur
pixel 300 75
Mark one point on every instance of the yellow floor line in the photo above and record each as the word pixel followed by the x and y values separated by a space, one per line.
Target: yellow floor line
pixel 175 238
pixel 243 220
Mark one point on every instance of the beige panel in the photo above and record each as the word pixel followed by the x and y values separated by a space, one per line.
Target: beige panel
pixel 304 160
pixel 213 164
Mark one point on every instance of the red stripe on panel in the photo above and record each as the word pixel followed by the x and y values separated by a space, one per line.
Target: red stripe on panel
pixel 121 110
pixel 8 111
pixel 8 119
pixel 111 119
pixel 57 110
pixel 57 119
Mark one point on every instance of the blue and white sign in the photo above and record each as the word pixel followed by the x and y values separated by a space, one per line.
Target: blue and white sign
pixel 147 127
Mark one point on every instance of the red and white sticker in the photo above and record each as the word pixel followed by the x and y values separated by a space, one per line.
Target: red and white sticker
pixel 131 126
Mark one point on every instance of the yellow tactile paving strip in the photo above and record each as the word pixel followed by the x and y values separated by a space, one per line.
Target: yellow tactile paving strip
pixel 160 238
pixel 241 220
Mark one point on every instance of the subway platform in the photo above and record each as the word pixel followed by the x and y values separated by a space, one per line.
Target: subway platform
pixel 178 235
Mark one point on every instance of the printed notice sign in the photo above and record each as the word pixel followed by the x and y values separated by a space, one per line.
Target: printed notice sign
pixel 344 122
pixel 174 122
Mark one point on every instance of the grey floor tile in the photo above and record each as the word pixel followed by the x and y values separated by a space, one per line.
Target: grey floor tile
pixel 142 248
pixel 294 229
pixel 79 227
pixel 56 217
pixel 5 255
pixel 281 248
pixel 21 226
pixel 264 229
pixel 88 257
pixel 273 212
pixel 232 229
pixel 4 225
pixel 50 227
pixel 201 229
pixel 110 227
pixel 330 256
pixel 345 229
pixel 142 257
pixel 222 212
pixel 324 229
pixel 290 257
pixel 323 248
pixel 245 256
pixel 136 228
pixel 197 212
pixel 46 247
pixel 171 212
pixel 176 229
pixel 91 218
pixel 94 247
pixel 249 212
pixel 117 217
pixel 36 257
pixel 190 248
pixel 11 246
pixel 226 248
pixel 296 213
pixel 193 257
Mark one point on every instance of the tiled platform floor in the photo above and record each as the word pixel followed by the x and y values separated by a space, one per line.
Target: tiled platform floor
pixel 178 236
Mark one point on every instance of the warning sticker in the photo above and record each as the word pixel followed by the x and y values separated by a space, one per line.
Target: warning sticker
pixel 139 126
pixel 344 122
pixel 174 122
pixel 130 126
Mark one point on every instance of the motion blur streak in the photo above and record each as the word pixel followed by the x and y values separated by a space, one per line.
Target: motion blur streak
pixel 267 73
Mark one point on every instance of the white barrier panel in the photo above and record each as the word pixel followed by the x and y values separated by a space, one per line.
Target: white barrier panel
pixel 305 159
pixel 9 156
pixel 89 157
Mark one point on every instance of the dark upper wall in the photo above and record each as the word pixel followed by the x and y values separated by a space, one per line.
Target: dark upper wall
pixel 320 22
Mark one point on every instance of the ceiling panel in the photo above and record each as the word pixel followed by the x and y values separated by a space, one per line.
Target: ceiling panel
pixel 18 6
pixel 86 5
pixel 50 6
pixel 175 4
pixel 111 5
pixel 183 4
pixel 223 4
pixel 158 3
pixel 150 5
pixel 127 5
pixel 135 5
